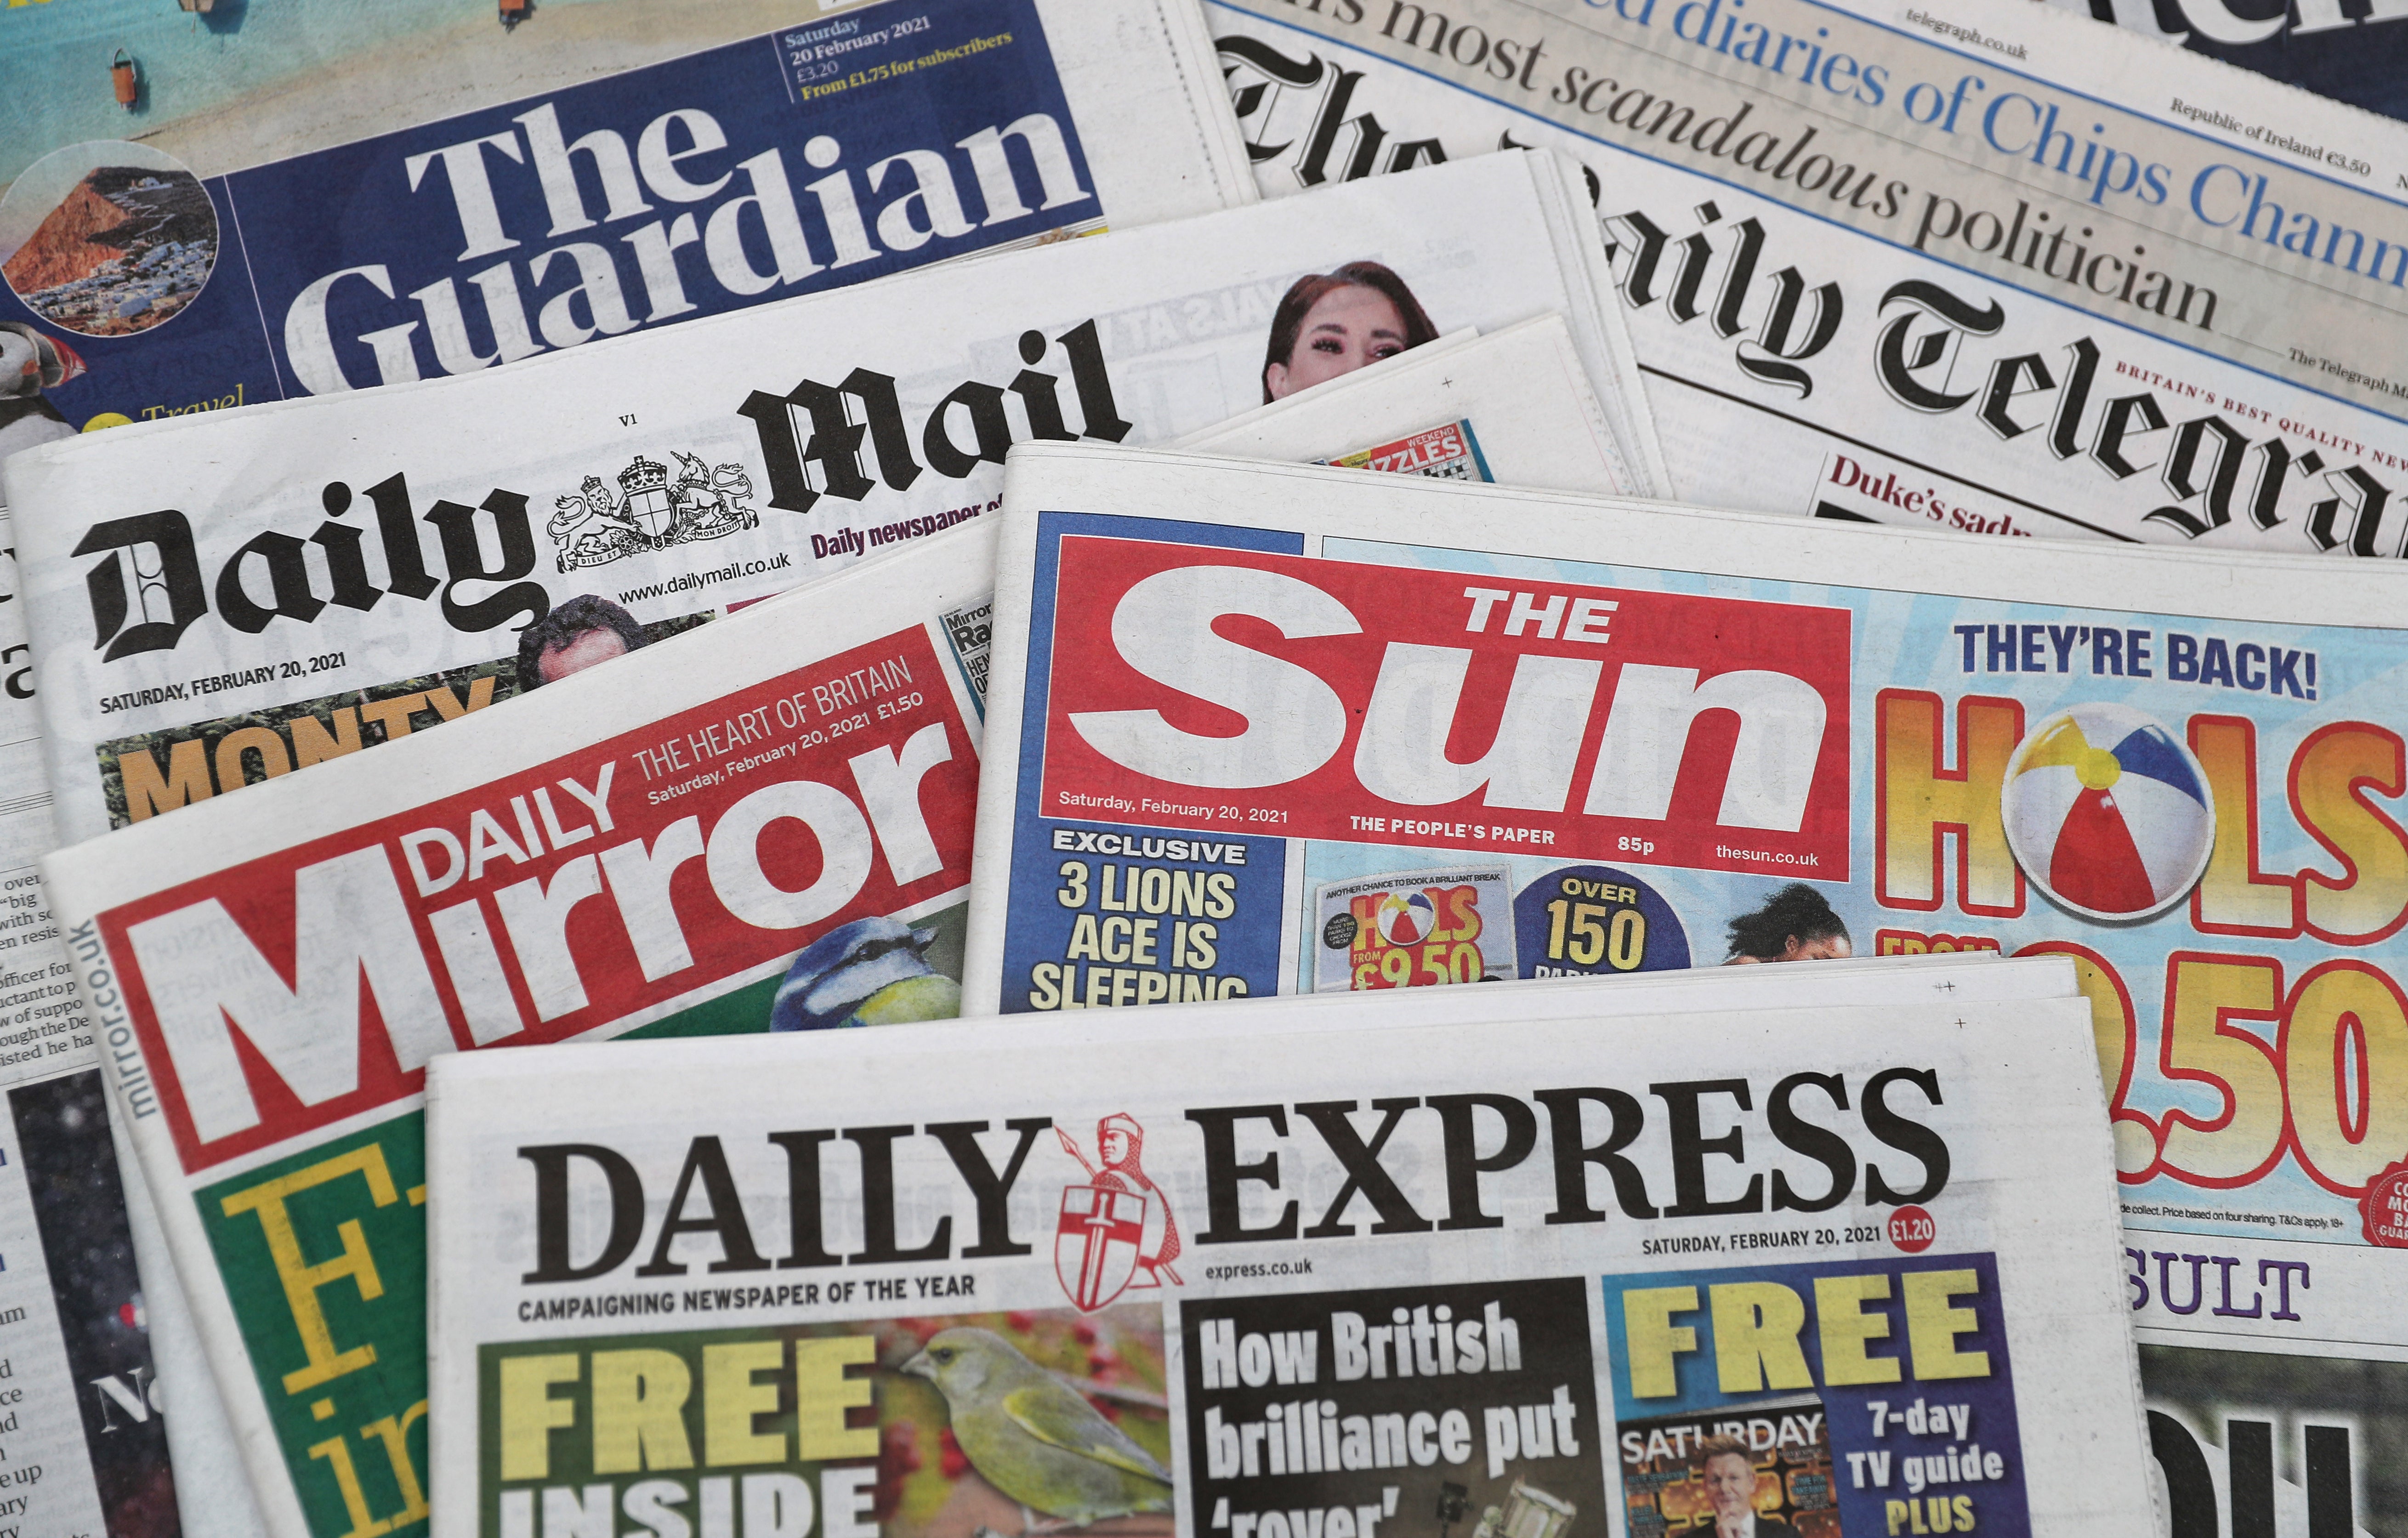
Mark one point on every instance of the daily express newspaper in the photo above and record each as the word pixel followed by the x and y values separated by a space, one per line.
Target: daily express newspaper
pixel 2355 56
pixel 220 601
pixel 797 158
pixel 765 827
pixel 1514 407
pixel 1975 264
pixel 1271 729
pixel 1581 1274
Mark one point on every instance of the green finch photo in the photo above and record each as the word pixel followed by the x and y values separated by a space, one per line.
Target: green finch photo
pixel 1034 1438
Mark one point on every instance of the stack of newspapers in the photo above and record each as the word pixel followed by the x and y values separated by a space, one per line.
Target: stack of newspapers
pixel 1174 545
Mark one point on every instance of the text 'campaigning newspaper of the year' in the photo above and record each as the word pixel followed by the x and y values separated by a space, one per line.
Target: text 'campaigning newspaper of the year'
pixel 1495 1274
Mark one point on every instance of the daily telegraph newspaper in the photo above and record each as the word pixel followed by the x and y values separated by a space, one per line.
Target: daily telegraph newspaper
pixel 1504 1274
pixel 764 826
pixel 1225 692
pixel 219 601
pixel 786 160
pixel 1973 264
pixel 81 1403
pixel 1514 407
pixel 2352 56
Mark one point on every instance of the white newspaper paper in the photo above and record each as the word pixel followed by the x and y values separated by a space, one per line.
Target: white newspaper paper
pixel 85 1406
pixel 308 200
pixel 1976 264
pixel 1514 407
pixel 947 1281
pixel 1700 738
pixel 497 196
pixel 219 601
pixel 764 826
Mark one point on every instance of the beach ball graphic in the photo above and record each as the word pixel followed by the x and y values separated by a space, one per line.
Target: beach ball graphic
pixel 1406 918
pixel 2108 811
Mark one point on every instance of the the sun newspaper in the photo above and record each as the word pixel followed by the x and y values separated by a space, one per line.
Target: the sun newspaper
pixel 1972 265
pixel 1264 729
pixel 1461 1265
pixel 218 602
pixel 1513 406
pixel 764 826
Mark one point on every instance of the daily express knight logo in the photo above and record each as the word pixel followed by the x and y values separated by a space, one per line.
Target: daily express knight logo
pixel 809 1198
pixel 1270 694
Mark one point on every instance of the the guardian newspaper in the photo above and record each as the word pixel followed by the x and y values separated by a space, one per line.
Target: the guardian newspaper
pixel 813 156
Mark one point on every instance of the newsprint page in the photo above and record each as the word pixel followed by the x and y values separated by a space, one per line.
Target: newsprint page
pixel 1973 264
pixel 80 1405
pixel 185 652
pixel 830 743
pixel 1261 730
pixel 346 233
pixel 1485 1273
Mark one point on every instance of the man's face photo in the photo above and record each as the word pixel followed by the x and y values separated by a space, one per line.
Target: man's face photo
pixel 1730 1486
pixel 582 651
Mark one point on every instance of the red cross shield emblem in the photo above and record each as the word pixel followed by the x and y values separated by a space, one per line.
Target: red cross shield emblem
pixel 1096 1241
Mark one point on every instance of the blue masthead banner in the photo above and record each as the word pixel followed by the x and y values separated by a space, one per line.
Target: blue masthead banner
pixel 792 162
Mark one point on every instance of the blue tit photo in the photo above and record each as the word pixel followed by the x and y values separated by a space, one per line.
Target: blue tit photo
pixel 872 972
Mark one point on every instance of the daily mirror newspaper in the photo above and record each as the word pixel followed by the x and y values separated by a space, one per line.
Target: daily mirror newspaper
pixel 765 827
pixel 1514 407
pixel 784 161
pixel 1974 265
pixel 1262 729
pixel 219 601
pixel 1586 1273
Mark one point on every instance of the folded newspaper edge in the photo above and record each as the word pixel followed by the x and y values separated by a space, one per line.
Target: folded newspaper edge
pixel 1513 406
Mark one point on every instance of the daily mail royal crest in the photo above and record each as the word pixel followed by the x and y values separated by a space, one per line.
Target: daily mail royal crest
pixel 1115 1231
pixel 651 511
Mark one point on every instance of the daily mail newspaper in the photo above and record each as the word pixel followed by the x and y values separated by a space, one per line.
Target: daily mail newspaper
pixel 218 602
pixel 763 827
pixel 1594 1273
pixel 1514 407
pixel 1974 265
pixel 1264 729
pixel 785 160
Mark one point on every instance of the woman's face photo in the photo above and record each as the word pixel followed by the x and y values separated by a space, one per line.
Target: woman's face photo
pixel 1346 328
